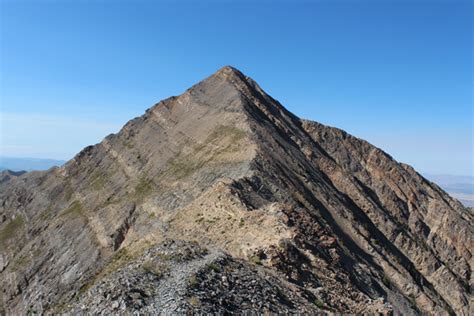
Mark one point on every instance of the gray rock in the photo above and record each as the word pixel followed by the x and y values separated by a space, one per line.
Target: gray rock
pixel 297 216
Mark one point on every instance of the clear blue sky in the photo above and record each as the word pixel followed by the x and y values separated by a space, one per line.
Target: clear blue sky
pixel 397 73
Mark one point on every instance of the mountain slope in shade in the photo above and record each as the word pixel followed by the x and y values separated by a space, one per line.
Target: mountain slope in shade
pixel 218 195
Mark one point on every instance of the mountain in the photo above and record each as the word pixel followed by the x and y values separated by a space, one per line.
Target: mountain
pixel 8 174
pixel 221 201
pixel 28 164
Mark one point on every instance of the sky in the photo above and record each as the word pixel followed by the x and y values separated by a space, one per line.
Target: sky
pixel 396 73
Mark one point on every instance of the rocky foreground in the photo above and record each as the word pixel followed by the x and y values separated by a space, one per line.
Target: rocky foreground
pixel 221 201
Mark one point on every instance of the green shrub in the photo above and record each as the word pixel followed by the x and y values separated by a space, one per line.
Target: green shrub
pixel 255 259
pixel 214 267
pixel 192 281
pixel 153 268
pixel 318 303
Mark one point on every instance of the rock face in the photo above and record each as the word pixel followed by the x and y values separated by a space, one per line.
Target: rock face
pixel 220 200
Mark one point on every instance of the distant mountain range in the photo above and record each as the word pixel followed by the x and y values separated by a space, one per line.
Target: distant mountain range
pixel 28 164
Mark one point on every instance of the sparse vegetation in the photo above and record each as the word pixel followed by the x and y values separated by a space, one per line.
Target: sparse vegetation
pixel 129 144
pixel 255 259
pixel 194 301
pixel 143 188
pixel 386 281
pixel 110 201
pixel 242 222
pixel 222 131
pixel 185 165
pixel 84 289
pixel 68 191
pixel 21 262
pixel 119 259
pixel 214 267
pixel 123 255
pixel 74 209
pixel 212 221
pixel 97 180
pixel 154 268
pixel 318 303
pixel 10 230
pixel 47 213
pixel 192 281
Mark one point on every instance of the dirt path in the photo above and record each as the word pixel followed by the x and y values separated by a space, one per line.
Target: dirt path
pixel 171 291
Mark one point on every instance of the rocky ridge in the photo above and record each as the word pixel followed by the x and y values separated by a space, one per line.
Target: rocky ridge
pixel 227 175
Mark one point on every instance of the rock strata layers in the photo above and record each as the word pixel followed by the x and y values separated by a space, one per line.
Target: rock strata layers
pixel 221 201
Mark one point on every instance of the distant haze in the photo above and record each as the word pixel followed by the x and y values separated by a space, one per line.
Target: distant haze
pixel 459 187
pixel 28 164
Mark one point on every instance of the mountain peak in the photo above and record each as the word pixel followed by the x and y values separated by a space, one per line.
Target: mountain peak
pixel 232 74
pixel 228 69
pixel 205 186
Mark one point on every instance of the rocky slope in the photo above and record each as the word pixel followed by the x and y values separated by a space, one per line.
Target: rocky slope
pixel 219 200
